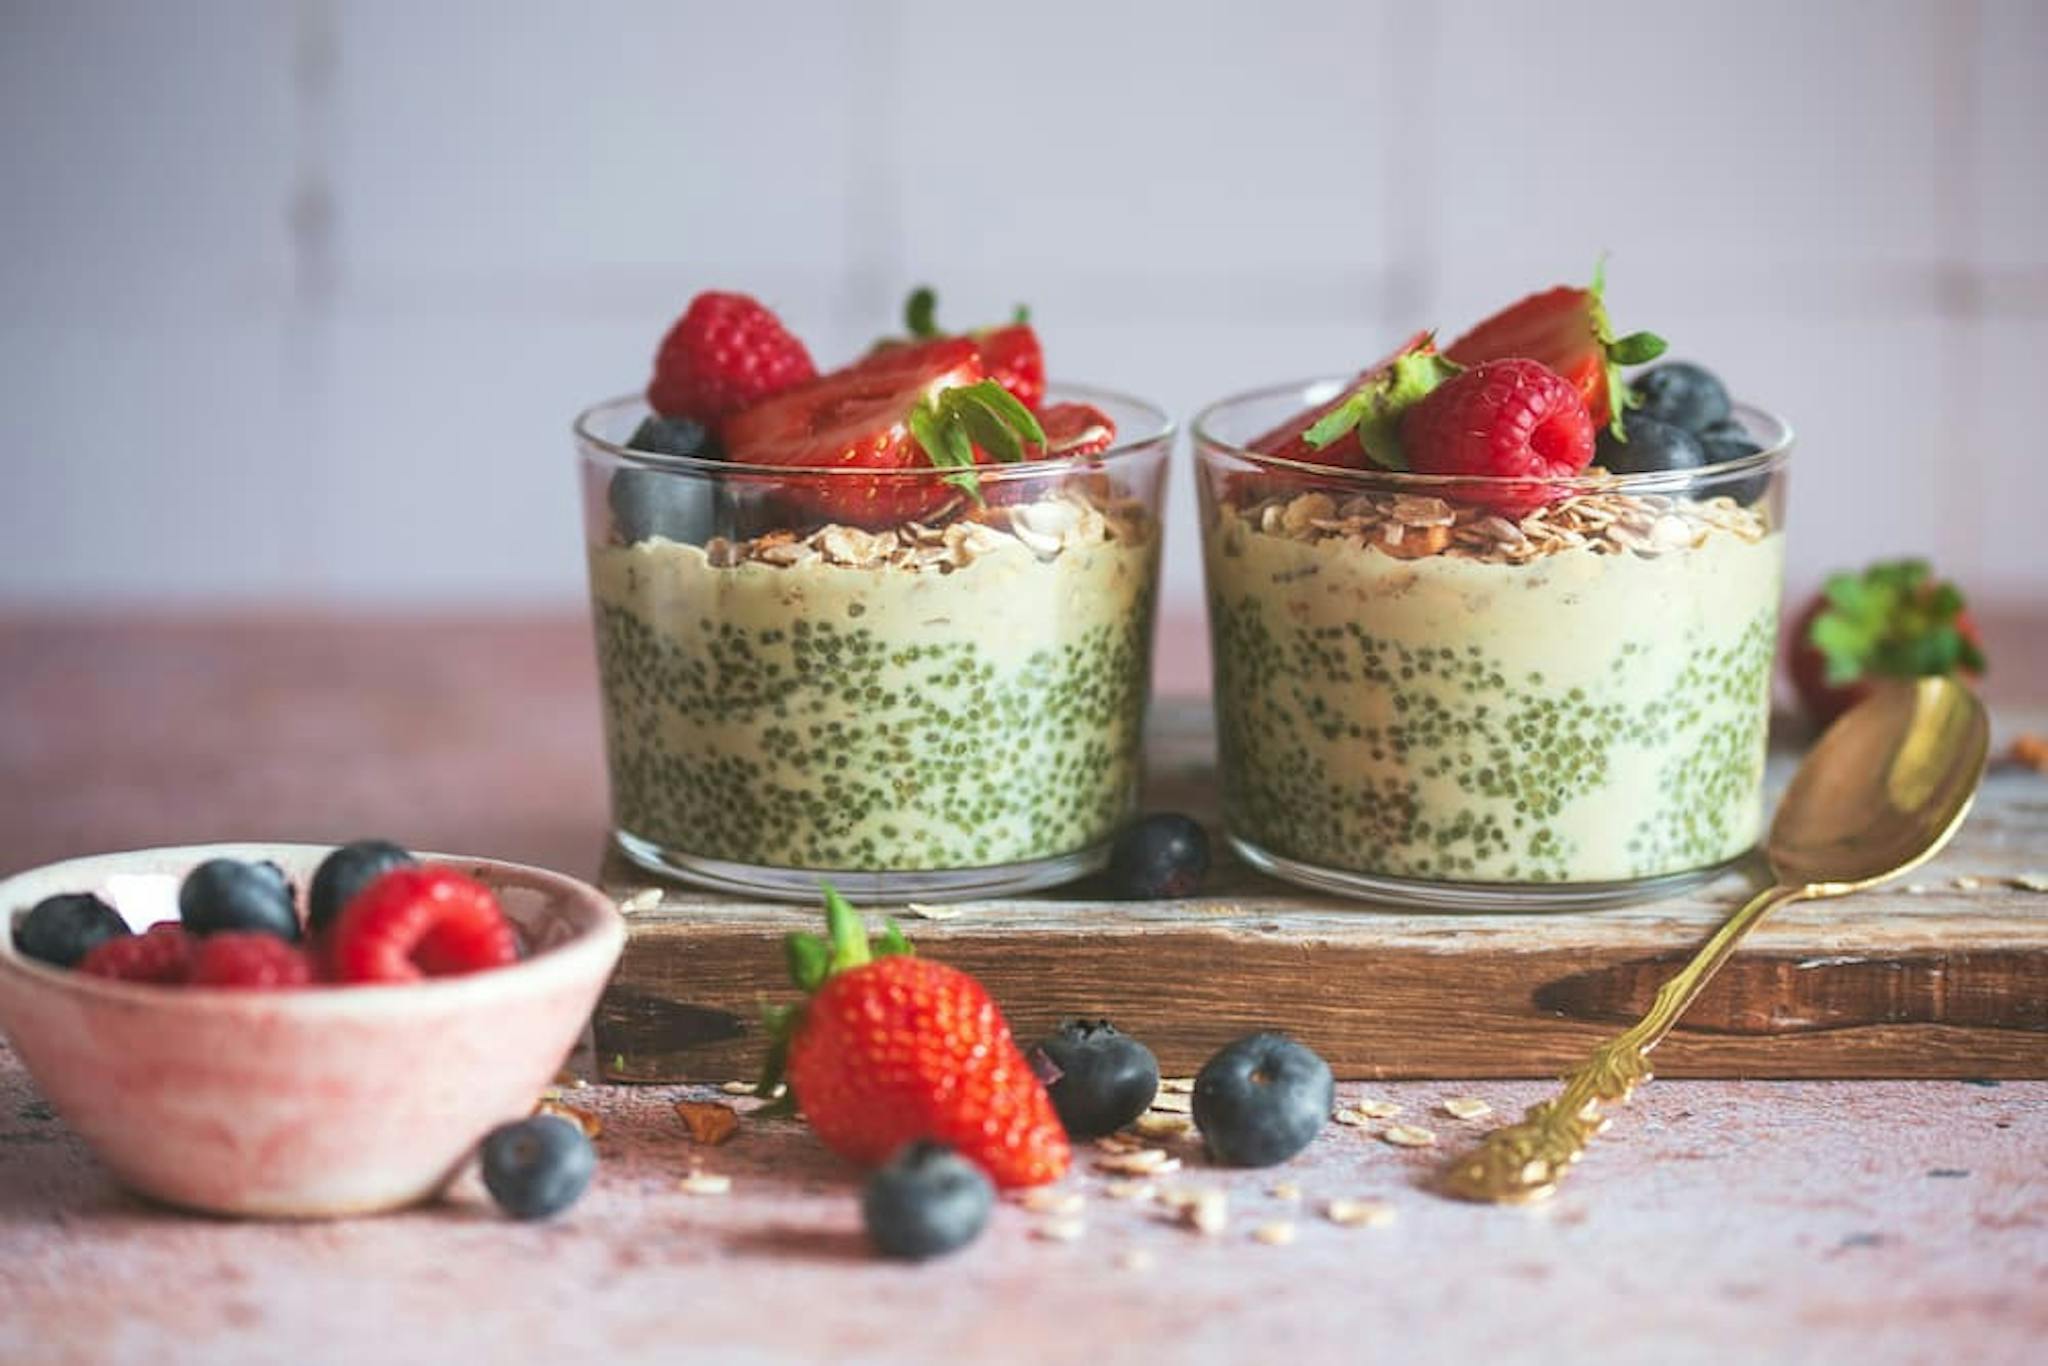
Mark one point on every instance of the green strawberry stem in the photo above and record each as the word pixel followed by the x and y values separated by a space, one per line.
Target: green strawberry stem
pixel 1374 409
pixel 1893 620
pixel 920 312
pixel 950 426
pixel 1637 348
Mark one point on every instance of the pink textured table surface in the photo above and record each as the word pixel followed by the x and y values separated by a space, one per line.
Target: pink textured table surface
pixel 1718 1221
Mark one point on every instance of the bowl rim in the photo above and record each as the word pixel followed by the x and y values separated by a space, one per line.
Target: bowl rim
pixel 593 951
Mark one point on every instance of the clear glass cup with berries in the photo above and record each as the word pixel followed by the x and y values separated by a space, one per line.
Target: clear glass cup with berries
pixel 889 625
pixel 1492 626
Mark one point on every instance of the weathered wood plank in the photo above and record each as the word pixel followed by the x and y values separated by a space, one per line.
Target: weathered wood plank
pixel 1931 979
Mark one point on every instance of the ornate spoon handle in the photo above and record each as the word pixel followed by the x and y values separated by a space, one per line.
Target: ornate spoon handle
pixel 1524 1161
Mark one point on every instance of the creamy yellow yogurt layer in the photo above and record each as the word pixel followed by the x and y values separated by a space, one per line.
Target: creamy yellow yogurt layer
pixel 1576 717
pixel 876 717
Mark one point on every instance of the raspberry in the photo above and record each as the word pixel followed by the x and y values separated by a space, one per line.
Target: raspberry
pixel 1506 419
pixel 420 922
pixel 162 954
pixel 726 352
pixel 248 959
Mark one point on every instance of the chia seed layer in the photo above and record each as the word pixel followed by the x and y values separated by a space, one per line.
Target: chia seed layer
pixel 876 718
pixel 1581 716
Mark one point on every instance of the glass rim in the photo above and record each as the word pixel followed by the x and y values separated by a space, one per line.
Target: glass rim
pixel 1160 431
pixel 1775 454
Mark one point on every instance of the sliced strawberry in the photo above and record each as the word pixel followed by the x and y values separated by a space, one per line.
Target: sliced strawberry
pixel 1567 329
pixel 1012 357
pixel 1287 442
pixel 855 419
pixel 1072 429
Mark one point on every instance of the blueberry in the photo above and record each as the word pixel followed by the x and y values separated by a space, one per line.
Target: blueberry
pixel 1653 446
pixel 927 1200
pixel 1157 856
pixel 1727 440
pixel 674 436
pixel 1262 1099
pixel 649 503
pixel 347 871
pixel 1099 1078
pixel 63 929
pixel 537 1167
pixel 227 894
pixel 1681 393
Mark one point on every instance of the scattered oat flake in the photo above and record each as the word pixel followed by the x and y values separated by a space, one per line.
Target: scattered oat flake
pixel 640 902
pixel 1136 1259
pixel 1285 1190
pixel 1355 1119
pixel 1143 1162
pixel 1359 1213
pixel 1174 1102
pixel 924 912
pixel 1408 1136
pixel 1049 1200
pixel 1279 1233
pixel 589 1123
pixel 2031 882
pixel 1917 888
pixel 1206 1212
pixel 1118 1143
pixel 1466 1107
pixel 1060 1230
pixel 737 1088
pixel 705 1183
pixel 1163 1125
pixel 1372 1107
pixel 709 1122
pixel 1129 1190
pixel 1969 883
pixel 1177 1086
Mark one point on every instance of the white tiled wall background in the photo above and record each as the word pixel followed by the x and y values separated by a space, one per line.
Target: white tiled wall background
pixel 296 300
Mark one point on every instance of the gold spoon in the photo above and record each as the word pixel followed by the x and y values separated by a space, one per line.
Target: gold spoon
pixel 1880 793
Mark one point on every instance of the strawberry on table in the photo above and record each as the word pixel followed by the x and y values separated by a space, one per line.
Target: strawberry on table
pixel 1567 329
pixel 890 1048
pixel 1892 620
pixel 724 354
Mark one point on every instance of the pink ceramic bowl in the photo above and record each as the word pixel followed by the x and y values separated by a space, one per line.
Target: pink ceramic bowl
pixel 311 1103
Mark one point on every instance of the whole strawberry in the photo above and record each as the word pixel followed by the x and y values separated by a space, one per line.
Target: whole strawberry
pixel 726 353
pixel 1513 420
pixel 1892 620
pixel 891 1048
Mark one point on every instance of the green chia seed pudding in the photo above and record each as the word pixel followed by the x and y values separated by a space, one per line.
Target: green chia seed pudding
pixel 1418 689
pixel 915 698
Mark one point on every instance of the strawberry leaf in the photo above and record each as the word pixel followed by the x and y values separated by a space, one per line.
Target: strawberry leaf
pixel 891 942
pixel 809 958
pixel 1637 348
pixel 1374 409
pixel 1893 620
pixel 849 936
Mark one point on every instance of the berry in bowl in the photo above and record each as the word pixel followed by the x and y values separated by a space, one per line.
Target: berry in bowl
pixel 889 625
pixel 1492 626
pixel 224 1044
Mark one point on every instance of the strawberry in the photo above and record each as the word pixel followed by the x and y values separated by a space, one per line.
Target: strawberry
pixel 896 411
pixel 1893 620
pixel 1567 329
pixel 890 1048
pixel 727 352
pixel 1506 419
pixel 1072 430
pixel 1289 441
pixel 1010 355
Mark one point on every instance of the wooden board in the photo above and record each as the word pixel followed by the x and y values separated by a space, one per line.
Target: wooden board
pixel 1932 978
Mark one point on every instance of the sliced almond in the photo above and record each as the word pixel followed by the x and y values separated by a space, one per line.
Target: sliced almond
pixel 709 1122
pixel 589 1123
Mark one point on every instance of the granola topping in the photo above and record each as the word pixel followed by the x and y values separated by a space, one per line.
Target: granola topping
pixel 1048 528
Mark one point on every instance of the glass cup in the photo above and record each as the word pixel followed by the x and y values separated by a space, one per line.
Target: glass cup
pixel 1485 694
pixel 874 678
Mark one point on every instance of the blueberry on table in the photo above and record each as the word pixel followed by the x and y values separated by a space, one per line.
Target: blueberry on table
pixel 347 871
pixel 1653 447
pixel 1099 1078
pixel 926 1201
pixel 1681 393
pixel 1262 1099
pixel 62 929
pixel 228 894
pixel 537 1167
pixel 674 436
pixel 650 503
pixel 1162 855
